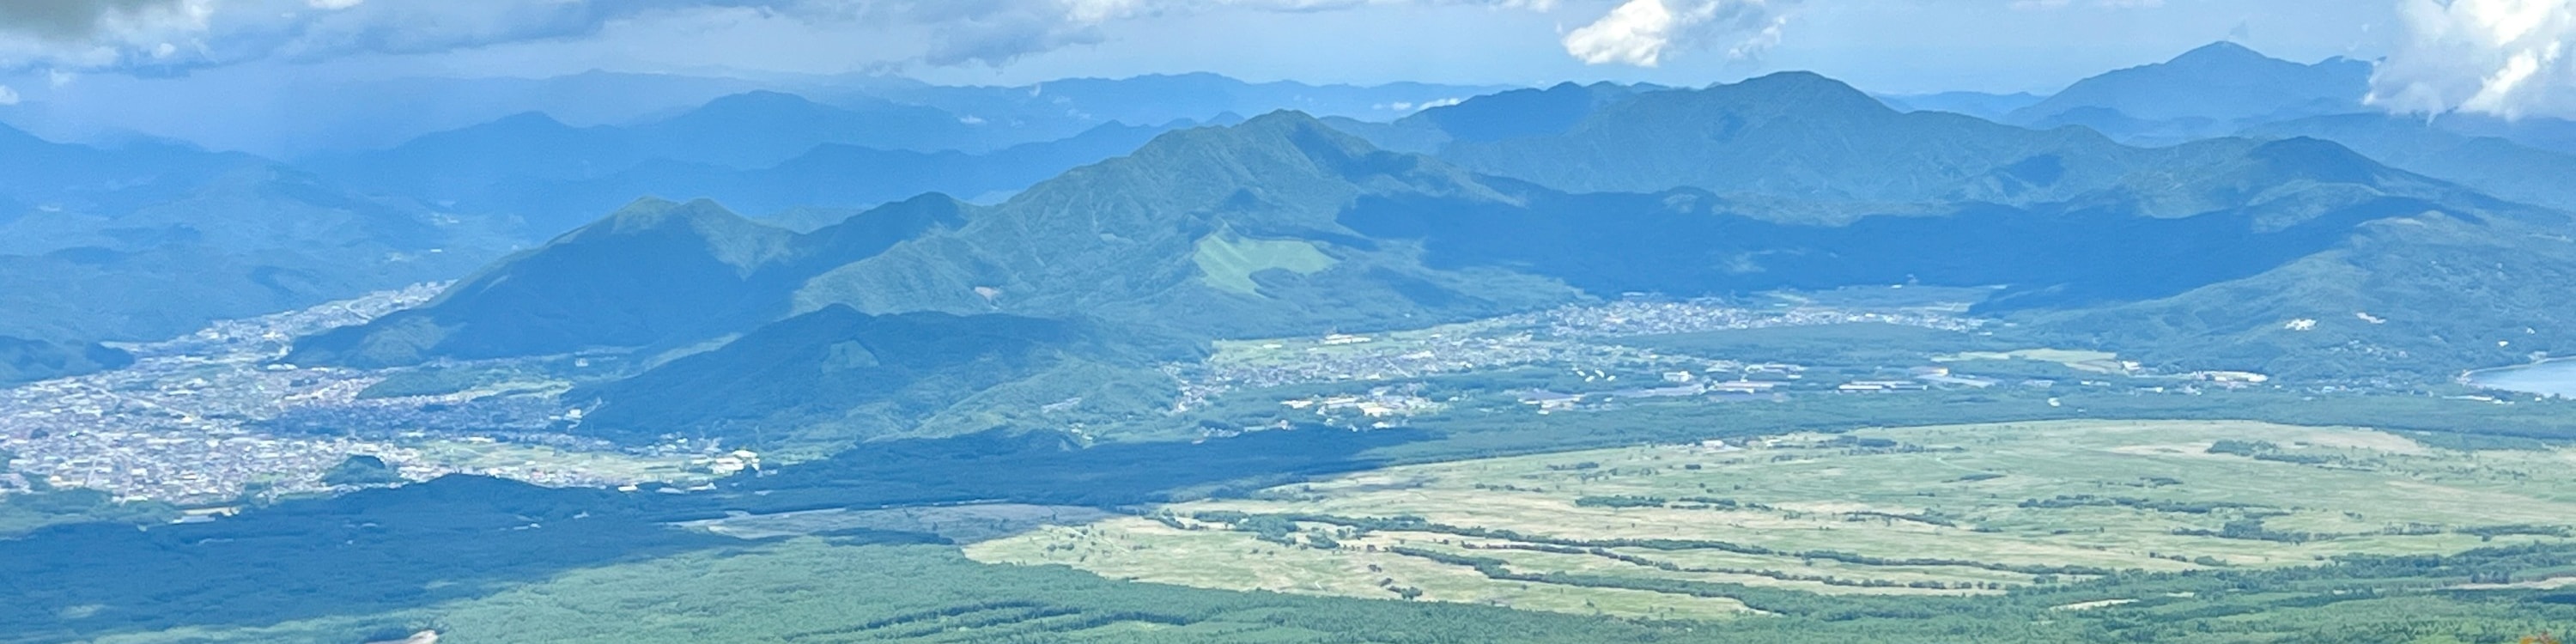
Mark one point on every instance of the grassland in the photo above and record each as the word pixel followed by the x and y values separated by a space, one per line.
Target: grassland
pixel 1228 262
pixel 1953 510
pixel 2025 532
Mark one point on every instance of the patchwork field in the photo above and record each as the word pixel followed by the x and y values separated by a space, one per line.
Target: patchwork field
pixel 1956 510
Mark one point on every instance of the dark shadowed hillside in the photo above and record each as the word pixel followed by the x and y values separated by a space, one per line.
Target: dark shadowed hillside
pixel 837 375
pixel 1213 231
pixel 656 272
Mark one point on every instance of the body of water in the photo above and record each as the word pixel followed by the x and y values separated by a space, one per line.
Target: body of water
pixel 2552 378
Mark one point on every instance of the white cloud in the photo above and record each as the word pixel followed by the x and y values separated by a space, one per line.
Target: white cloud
pixel 8 96
pixel 1646 32
pixel 2506 58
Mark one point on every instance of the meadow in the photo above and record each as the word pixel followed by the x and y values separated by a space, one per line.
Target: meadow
pixel 843 590
pixel 1949 510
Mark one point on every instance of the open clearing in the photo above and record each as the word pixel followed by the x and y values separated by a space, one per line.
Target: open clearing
pixel 1229 262
pixel 1927 510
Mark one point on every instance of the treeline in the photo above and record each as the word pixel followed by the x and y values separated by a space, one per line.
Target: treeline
pixel 1668 566
pixel 2252 528
pixel 1683 503
pixel 1419 524
pixel 1621 501
pixel 2267 451
pixel 2350 599
pixel 2154 505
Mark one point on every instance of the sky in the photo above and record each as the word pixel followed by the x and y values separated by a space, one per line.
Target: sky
pixel 1903 46
pixel 2504 57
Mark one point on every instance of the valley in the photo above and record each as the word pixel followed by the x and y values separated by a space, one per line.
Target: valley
pixel 214 419
pixel 2213 350
pixel 204 419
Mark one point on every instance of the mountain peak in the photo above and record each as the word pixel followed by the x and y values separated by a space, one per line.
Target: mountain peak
pixel 1523 112
pixel 756 106
pixel 2317 159
pixel 737 240
pixel 527 119
pixel 2223 51
pixel 1806 90
pixel 1282 121
pixel 1798 80
pixel 653 211
pixel 1280 164
pixel 759 99
pixel 1279 135
pixel 2219 82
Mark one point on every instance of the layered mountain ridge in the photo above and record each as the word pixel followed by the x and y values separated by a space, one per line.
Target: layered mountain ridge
pixel 150 241
pixel 1286 225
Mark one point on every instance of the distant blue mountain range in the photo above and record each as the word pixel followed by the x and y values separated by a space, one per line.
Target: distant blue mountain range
pixel 1287 224
pixel 1283 224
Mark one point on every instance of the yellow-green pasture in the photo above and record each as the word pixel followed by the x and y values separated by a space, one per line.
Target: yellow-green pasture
pixel 1955 509
pixel 1228 262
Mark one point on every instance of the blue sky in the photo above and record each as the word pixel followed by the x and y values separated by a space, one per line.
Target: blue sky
pixel 1884 45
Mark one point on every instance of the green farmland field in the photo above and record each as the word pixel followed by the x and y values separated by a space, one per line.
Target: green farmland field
pixel 1957 510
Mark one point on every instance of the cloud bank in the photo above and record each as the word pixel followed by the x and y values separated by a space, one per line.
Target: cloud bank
pixel 71 20
pixel 95 33
pixel 2505 58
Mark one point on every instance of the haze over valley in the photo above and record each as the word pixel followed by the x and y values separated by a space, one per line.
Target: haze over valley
pixel 2217 347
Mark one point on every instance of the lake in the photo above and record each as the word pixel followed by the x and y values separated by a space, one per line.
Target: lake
pixel 2552 378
